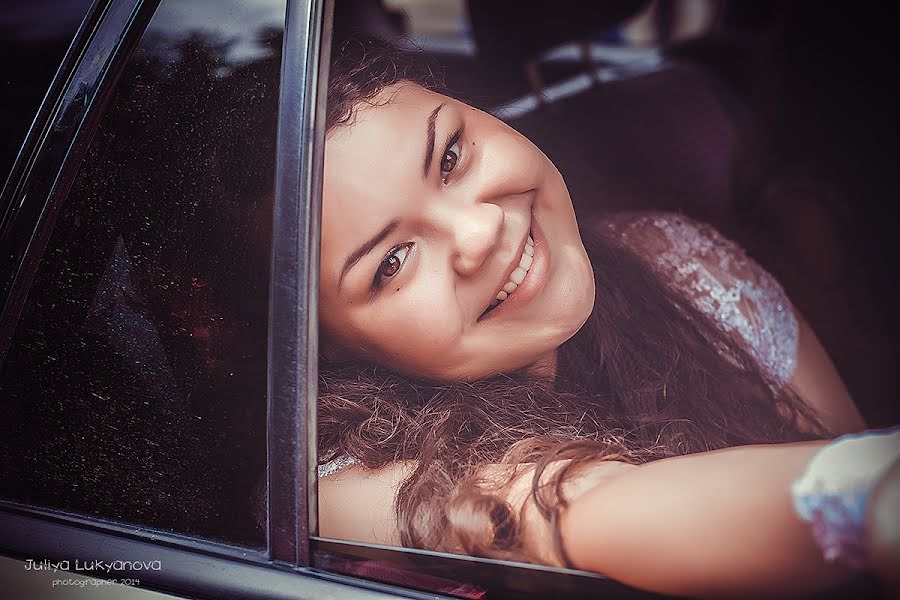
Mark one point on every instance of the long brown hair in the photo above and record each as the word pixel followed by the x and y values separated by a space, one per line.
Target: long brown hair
pixel 647 377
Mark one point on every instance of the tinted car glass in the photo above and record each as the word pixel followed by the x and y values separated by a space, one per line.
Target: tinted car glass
pixel 135 384
pixel 33 39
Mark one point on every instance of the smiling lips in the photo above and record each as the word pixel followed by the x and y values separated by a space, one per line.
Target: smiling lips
pixel 517 275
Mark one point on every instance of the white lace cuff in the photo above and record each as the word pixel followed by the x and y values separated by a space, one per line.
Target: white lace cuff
pixel 833 491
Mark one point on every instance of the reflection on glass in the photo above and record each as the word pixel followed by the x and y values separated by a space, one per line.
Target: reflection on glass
pixel 135 386
pixel 238 36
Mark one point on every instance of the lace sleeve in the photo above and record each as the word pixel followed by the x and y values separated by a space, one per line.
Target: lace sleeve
pixel 834 490
pixel 722 281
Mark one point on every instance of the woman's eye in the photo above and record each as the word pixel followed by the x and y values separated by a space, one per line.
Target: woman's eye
pixel 451 156
pixel 392 263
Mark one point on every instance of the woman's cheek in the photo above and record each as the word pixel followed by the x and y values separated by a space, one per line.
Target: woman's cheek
pixel 421 336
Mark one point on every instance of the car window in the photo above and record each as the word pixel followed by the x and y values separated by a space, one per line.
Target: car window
pixel 134 387
pixel 39 32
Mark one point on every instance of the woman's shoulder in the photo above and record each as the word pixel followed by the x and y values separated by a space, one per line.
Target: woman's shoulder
pixel 671 236
pixel 357 503
pixel 692 255
pixel 719 277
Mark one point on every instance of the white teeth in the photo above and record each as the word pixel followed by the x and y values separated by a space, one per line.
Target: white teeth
pixel 518 274
pixel 525 263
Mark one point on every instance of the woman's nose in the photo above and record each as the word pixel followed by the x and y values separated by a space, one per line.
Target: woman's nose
pixel 474 232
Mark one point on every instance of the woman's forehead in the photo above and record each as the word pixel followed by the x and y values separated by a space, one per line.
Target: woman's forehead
pixel 372 163
pixel 373 168
pixel 404 101
pixel 380 153
pixel 384 135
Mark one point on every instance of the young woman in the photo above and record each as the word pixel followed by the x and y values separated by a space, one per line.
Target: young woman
pixel 486 365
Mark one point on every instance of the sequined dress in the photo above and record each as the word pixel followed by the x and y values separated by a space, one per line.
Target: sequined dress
pixel 721 280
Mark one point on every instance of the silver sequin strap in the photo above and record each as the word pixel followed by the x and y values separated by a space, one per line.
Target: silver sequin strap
pixel 335 465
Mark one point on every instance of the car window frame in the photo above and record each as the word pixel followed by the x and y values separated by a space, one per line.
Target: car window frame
pixel 56 143
pixel 293 317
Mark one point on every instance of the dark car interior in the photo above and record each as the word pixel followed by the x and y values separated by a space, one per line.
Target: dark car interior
pixel 776 123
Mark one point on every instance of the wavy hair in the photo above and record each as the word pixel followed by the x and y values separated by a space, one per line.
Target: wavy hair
pixel 648 376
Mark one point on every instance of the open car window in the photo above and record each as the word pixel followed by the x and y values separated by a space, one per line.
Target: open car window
pixel 487 75
pixel 638 107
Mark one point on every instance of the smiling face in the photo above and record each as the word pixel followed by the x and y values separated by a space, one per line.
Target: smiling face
pixel 428 210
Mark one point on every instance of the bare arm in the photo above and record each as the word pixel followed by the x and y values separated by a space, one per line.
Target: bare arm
pixel 716 524
pixel 816 381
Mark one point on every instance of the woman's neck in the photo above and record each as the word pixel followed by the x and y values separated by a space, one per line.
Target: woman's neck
pixel 545 366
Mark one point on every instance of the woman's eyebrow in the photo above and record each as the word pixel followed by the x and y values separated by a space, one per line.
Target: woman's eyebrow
pixel 429 140
pixel 365 248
